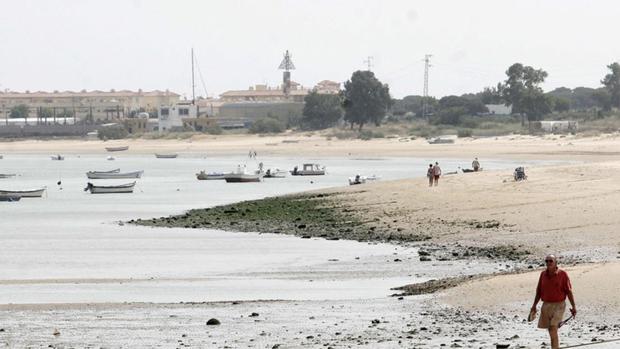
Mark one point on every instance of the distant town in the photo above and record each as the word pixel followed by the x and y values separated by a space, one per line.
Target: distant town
pixel 363 100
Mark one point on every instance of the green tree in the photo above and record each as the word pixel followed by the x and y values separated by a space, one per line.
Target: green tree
pixel 366 99
pixel 321 111
pixel 611 82
pixel 19 111
pixel 112 132
pixel 492 95
pixel 521 91
pixel 602 98
pixel 267 125
pixel 561 104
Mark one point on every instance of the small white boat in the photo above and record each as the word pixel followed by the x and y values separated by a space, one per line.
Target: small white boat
pixel 110 189
pixel 309 170
pixel 203 175
pixel 123 148
pixel 113 175
pixel 32 193
pixel 358 179
pixel 166 156
pixel 7 175
pixel 110 158
pixel 242 176
pixel 275 173
pixel 58 157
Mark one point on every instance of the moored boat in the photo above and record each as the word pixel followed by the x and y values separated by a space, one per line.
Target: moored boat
pixel 242 176
pixel 123 148
pixel 58 157
pixel 203 175
pixel 166 156
pixel 113 175
pixel 110 189
pixel 7 175
pixel 275 173
pixel 309 170
pixel 32 193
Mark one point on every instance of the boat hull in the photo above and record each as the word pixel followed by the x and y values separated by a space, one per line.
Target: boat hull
pixel 307 173
pixel 242 178
pixel 166 156
pixel 210 176
pixel 117 148
pixel 111 189
pixel 35 193
pixel 114 175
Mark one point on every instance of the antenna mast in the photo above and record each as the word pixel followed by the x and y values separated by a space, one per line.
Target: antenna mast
pixel 193 84
pixel 286 65
pixel 368 61
pixel 427 61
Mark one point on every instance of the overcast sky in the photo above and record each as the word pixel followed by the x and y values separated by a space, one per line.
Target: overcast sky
pixel 74 45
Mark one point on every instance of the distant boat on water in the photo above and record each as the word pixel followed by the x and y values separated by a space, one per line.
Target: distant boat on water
pixel 7 175
pixel 275 173
pixel 123 148
pixel 58 157
pixel 166 156
pixel 32 193
pixel 242 176
pixel 110 189
pixel 114 174
pixel 204 176
pixel 309 170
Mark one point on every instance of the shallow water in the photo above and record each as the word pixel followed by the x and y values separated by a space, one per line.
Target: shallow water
pixel 69 247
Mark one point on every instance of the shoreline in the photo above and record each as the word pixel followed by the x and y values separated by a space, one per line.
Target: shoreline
pixel 563 147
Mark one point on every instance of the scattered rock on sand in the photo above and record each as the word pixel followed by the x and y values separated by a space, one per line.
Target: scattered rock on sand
pixel 213 322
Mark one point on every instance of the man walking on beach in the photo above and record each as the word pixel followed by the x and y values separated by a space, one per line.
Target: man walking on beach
pixel 436 173
pixel 430 175
pixel 553 288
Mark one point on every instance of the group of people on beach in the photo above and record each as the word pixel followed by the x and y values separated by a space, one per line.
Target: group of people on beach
pixel 434 172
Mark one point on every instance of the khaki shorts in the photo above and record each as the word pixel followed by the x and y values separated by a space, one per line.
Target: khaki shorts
pixel 551 314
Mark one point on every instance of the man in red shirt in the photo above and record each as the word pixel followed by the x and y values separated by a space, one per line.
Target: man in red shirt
pixel 553 288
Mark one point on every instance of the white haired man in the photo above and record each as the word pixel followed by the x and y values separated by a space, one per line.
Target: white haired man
pixel 553 288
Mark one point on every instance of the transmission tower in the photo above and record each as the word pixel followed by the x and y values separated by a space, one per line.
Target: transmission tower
pixel 286 65
pixel 368 62
pixel 427 64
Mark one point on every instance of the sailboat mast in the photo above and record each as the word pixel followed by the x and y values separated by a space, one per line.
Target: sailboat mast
pixel 193 84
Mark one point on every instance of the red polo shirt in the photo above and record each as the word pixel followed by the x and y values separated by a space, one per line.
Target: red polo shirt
pixel 554 286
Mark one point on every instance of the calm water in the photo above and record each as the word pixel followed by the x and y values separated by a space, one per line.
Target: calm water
pixel 69 247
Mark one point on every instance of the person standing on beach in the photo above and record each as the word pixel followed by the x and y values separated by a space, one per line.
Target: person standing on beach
pixel 553 288
pixel 436 173
pixel 430 175
pixel 475 165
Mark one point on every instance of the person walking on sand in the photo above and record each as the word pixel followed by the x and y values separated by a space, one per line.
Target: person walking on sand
pixel 436 173
pixel 430 175
pixel 475 165
pixel 553 288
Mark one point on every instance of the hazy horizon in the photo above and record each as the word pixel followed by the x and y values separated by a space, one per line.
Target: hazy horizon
pixel 96 45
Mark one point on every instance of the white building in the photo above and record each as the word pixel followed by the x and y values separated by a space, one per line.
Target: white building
pixel 499 109
pixel 559 126
pixel 170 117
